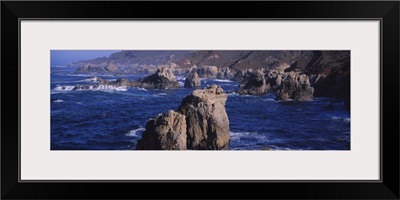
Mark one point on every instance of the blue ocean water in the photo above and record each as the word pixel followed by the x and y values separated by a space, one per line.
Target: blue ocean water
pixel 114 119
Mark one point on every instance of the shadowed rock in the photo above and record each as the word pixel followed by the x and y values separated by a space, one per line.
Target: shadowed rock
pixel 296 87
pixel 166 132
pixel 207 71
pixel 162 79
pixel 201 123
pixel 254 83
pixel 192 80
pixel 206 118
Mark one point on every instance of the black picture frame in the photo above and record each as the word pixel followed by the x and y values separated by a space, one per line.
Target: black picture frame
pixel 386 11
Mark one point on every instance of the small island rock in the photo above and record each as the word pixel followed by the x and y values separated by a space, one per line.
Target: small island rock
pixel 192 80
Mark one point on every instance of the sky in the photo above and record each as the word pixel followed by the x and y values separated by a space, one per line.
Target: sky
pixel 63 57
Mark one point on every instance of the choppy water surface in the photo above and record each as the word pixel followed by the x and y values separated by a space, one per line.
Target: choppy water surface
pixel 114 118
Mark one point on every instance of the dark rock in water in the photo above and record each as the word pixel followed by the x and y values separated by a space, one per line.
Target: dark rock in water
pixel 201 122
pixel 162 79
pixel 296 87
pixel 254 83
pixel 192 80
pixel 82 87
pixel 225 73
pixel 207 71
pixel 274 78
pixel 206 118
pixel 166 132
pixel 122 82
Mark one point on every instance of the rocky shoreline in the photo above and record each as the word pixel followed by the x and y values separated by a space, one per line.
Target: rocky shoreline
pixel 320 73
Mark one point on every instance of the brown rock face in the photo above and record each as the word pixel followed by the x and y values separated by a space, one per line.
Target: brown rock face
pixel 162 79
pixel 207 71
pixel 166 132
pixel 201 123
pixel 295 86
pixel 206 118
pixel 254 83
pixel 192 80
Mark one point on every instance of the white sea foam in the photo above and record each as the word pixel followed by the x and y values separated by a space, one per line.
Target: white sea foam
pixel 135 132
pixel 233 94
pixel 342 119
pixel 58 101
pixel 139 88
pixel 121 89
pixel 64 88
pixel 181 83
pixel 223 80
pixel 92 88
pixel 92 79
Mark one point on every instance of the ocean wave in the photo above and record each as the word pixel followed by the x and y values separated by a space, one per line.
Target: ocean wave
pixel 344 119
pixel 181 83
pixel 233 94
pixel 160 94
pixel 143 89
pixel 58 101
pixel 269 99
pixel 248 136
pixel 91 88
pixel 64 88
pixel 92 79
pixel 223 80
pixel 136 132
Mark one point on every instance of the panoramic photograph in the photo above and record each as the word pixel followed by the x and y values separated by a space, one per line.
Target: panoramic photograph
pixel 266 100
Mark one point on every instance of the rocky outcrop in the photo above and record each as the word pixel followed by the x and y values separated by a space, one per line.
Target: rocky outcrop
pixel 274 77
pixel 162 79
pixel 225 73
pixel 166 132
pixel 192 80
pixel 206 118
pixel 254 83
pixel 295 86
pixel 111 68
pixel 88 69
pixel 201 123
pixel 207 71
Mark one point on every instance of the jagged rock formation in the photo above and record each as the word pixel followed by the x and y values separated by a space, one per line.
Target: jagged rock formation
pixel 207 71
pixel 201 120
pixel 162 79
pixel 296 87
pixel 89 69
pixel 329 71
pixel 206 118
pixel 166 132
pixel 192 80
pixel 254 83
